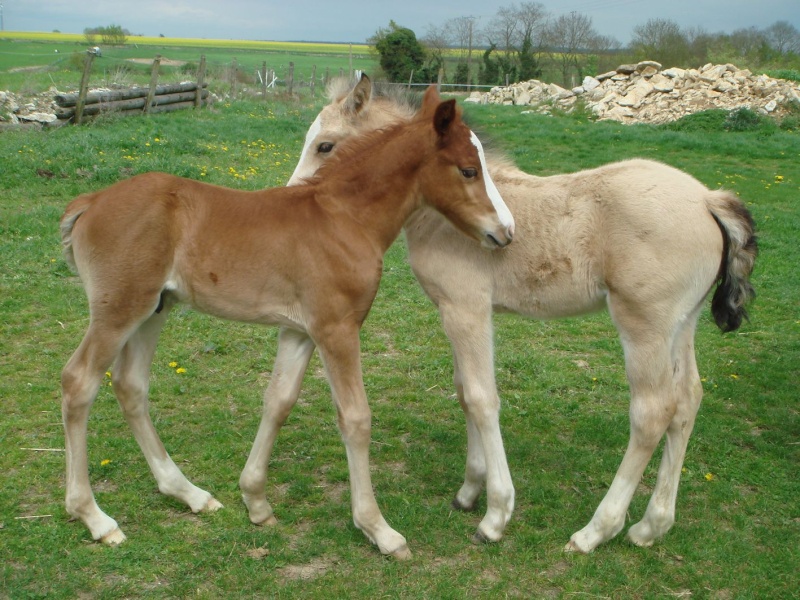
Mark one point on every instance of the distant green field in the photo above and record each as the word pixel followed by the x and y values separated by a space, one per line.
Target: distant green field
pixel 32 62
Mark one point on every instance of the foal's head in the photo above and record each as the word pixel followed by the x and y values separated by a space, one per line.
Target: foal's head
pixel 363 108
pixel 456 181
pixel 353 110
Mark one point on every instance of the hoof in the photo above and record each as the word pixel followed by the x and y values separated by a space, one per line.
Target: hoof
pixel 270 521
pixel 639 542
pixel 213 505
pixel 457 505
pixel 113 538
pixel 572 547
pixel 402 553
pixel 479 539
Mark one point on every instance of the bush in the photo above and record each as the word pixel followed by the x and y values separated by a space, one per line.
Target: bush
pixel 707 120
pixel 744 119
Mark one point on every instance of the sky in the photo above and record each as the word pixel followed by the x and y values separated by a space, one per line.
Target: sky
pixel 356 20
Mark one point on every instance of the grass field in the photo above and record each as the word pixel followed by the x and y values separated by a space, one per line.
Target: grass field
pixel 32 62
pixel 562 383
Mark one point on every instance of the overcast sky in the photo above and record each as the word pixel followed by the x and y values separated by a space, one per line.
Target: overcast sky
pixel 356 20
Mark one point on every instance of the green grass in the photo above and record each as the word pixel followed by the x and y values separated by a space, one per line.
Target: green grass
pixel 34 65
pixel 565 426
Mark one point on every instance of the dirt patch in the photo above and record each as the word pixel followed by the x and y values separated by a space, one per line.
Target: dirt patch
pixel 28 69
pixel 311 570
pixel 167 62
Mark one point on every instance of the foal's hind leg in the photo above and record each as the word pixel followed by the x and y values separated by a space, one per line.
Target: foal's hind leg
pixel 80 381
pixel 660 514
pixel 130 378
pixel 294 351
pixel 652 408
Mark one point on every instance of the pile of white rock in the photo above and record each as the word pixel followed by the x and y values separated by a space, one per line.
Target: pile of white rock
pixel 644 93
pixel 38 109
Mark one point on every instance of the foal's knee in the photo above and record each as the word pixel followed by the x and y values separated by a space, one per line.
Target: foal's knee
pixel 650 419
pixel 78 389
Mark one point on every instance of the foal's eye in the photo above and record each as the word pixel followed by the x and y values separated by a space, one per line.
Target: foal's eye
pixel 470 173
pixel 325 147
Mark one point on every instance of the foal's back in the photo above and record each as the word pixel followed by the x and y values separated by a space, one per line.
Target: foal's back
pixel 637 228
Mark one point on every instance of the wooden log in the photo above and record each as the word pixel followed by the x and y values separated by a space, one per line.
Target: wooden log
pixel 67 100
pixel 151 91
pixel 83 90
pixel 201 77
pixel 131 104
pixel 137 112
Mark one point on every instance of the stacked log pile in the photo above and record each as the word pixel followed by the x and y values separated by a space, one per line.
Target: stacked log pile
pixel 167 97
pixel 644 93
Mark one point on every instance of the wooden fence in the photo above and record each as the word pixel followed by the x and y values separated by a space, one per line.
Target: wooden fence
pixel 152 99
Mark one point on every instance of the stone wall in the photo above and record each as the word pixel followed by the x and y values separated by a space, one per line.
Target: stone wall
pixel 644 93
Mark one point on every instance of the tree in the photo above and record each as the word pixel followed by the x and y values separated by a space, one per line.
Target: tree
pixel 400 52
pixel 111 35
pixel 661 40
pixel 436 41
pixel 528 64
pixel 568 37
pixel 783 37
pixel 502 31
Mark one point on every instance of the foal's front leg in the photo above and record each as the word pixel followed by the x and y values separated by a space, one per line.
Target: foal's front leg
pixel 469 328
pixel 294 352
pixel 340 352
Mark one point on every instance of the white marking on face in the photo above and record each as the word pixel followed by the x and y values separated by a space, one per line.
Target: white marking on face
pixel 503 213
pixel 313 132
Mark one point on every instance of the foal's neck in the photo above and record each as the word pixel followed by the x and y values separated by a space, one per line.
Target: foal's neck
pixel 379 185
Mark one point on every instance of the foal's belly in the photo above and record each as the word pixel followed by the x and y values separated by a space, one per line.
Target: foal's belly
pixel 552 300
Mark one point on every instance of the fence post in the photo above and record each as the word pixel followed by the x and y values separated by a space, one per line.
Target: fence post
pixel 290 78
pixel 153 82
pixel 327 76
pixel 84 89
pixel 264 79
pixel 313 79
pixel 201 76
pixel 439 80
pixel 234 72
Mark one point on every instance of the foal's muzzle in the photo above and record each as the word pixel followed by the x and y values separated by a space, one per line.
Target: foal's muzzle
pixel 500 238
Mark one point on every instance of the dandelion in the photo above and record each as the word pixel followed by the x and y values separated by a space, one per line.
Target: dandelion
pixel 173 364
pixel 734 376
pixel 180 370
pixel 709 476
pixel 778 178
pixel 105 461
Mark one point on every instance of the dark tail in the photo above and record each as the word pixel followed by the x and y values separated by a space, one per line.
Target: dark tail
pixel 739 252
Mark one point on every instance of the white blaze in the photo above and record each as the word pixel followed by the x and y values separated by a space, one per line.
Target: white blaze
pixel 500 207
pixel 313 131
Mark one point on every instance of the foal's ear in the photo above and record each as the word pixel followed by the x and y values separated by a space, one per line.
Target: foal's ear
pixel 430 100
pixel 359 96
pixel 446 113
